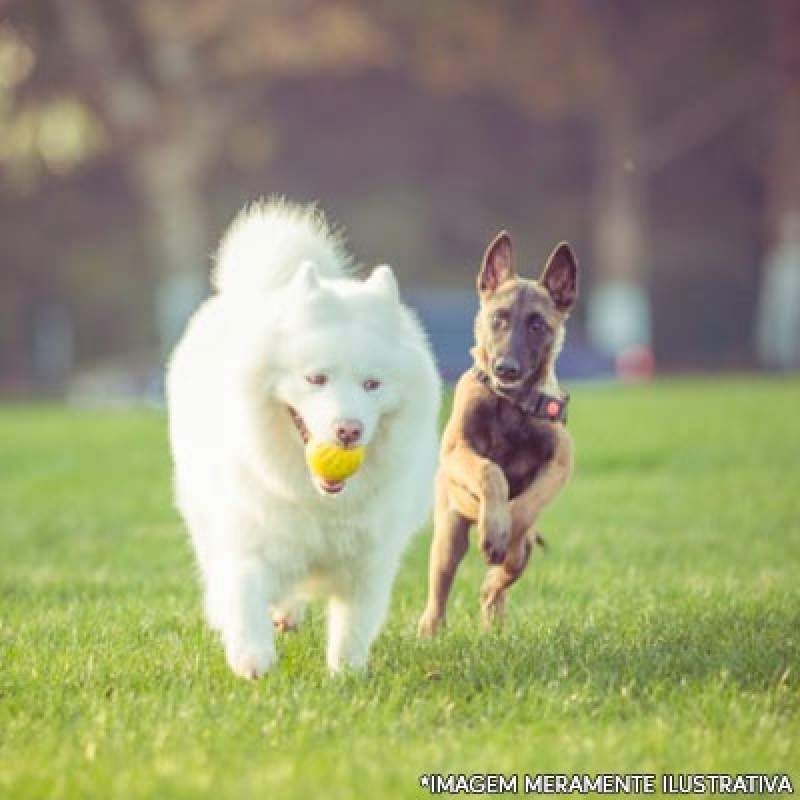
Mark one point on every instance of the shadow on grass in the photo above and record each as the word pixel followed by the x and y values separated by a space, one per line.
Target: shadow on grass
pixel 750 646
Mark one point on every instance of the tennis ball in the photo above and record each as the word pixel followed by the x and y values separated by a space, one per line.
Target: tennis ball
pixel 333 463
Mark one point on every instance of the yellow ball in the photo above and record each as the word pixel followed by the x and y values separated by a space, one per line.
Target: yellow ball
pixel 333 463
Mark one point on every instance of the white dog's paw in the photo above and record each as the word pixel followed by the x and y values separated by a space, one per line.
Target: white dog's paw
pixel 283 622
pixel 288 616
pixel 341 666
pixel 354 660
pixel 251 660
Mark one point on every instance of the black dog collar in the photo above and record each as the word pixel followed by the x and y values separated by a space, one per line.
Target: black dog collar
pixel 538 404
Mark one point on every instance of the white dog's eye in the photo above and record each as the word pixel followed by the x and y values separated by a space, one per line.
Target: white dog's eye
pixel 371 384
pixel 317 380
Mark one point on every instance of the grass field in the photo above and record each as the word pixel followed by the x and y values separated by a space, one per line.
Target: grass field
pixel 659 633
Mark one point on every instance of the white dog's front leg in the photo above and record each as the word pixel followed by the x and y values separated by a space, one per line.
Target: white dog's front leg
pixel 355 618
pixel 240 591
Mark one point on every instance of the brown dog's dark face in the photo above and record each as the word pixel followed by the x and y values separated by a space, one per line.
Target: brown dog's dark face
pixel 520 325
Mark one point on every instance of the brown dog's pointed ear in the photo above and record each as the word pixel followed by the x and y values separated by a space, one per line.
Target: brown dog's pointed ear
pixel 560 277
pixel 498 264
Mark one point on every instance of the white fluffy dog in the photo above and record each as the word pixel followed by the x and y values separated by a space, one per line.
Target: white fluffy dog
pixel 292 344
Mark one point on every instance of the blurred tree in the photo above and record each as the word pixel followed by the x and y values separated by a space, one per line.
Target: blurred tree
pixel 167 90
pixel 654 79
pixel 170 81
pixel 43 124
pixel 656 105
pixel 778 322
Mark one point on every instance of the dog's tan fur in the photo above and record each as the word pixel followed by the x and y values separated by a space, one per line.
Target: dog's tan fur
pixel 499 464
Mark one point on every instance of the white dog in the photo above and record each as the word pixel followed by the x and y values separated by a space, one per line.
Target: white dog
pixel 292 344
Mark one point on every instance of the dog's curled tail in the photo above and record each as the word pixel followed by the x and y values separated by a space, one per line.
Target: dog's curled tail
pixel 269 240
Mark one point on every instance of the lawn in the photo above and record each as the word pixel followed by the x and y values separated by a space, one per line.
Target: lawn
pixel 659 633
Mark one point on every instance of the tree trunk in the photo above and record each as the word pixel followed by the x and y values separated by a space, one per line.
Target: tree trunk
pixel 168 179
pixel 778 313
pixel 171 135
pixel 618 306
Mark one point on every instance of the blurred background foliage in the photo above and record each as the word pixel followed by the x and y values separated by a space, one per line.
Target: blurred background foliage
pixel 660 138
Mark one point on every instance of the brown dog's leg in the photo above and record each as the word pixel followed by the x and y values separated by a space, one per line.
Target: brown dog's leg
pixel 483 482
pixel 494 520
pixel 449 544
pixel 500 578
pixel 525 511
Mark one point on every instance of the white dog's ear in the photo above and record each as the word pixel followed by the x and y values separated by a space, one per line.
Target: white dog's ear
pixel 382 282
pixel 306 278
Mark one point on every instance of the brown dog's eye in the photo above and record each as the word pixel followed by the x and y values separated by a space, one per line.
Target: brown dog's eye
pixel 499 320
pixel 371 384
pixel 317 380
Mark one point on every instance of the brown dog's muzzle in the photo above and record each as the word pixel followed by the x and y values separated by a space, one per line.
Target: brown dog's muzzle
pixel 507 369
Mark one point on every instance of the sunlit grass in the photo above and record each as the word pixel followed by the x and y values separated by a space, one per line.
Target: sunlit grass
pixel 658 633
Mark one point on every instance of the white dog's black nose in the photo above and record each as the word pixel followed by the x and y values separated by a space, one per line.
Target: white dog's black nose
pixel 348 431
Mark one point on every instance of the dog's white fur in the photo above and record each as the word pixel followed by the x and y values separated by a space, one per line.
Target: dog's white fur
pixel 288 306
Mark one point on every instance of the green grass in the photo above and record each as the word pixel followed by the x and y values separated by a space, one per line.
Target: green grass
pixel 659 633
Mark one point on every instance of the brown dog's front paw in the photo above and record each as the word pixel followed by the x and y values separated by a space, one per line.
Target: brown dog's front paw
pixel 495 534
pixel 492 606
pixel 493 553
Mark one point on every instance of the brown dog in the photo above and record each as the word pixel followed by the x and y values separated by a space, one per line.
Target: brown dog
pixel 505 452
